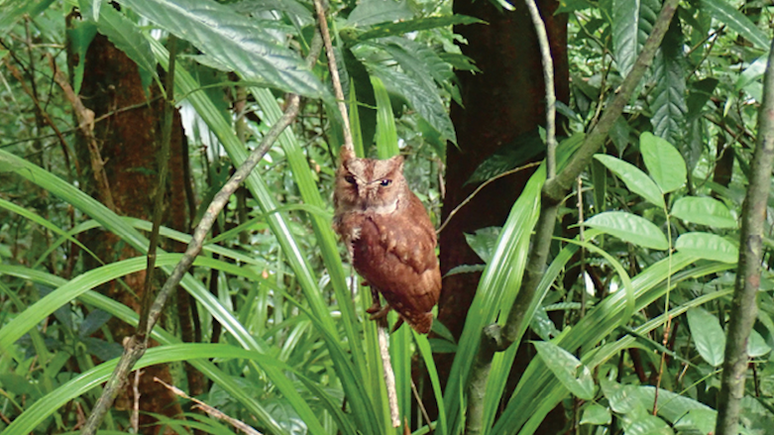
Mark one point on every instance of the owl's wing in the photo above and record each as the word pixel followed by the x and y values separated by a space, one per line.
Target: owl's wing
pixel 409 235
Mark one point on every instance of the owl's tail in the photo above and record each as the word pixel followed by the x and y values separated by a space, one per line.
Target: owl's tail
pixel 421 323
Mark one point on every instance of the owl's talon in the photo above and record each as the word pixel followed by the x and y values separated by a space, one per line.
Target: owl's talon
pixel 378 312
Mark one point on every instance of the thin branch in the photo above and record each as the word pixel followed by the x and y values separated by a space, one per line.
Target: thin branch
pixel 337 90
pixel 348 151
pixel 212 412
pixel 548 78
pixel 743 306
pixel 481 187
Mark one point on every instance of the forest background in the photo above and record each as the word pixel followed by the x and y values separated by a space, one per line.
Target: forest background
pixel 590 294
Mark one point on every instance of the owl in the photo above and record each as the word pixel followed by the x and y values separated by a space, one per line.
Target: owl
pixel 389 236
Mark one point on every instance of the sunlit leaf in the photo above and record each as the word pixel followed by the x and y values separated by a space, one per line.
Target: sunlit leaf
pixel 630 228
pixel 665 164
pixel 573 375
pixel 707 335
pixel 708 246
pixel 704 211
pixel 636 180
pixel 232 40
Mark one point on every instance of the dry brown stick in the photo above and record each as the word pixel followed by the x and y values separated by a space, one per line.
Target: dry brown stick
pixel 213 412
pixel 85 118
pixel 348 151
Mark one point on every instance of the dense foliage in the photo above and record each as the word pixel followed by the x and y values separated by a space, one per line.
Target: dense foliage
pixel 633 346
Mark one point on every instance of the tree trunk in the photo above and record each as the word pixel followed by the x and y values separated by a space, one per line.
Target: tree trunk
pixel 503 101
pixel 128 142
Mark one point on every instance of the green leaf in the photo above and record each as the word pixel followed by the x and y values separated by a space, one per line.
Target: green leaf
pixel 232 40
pixel 636 180
pixel 386 134
pixel 12 10
pixel 756 345
pixel 722 11
pixel 630 228
pixel 646 424
pixel 704 211
pixel 575 376
pixel 626 14
pixel 369 12
pixel 596 414
pixel 383 30
pixel 697 421
pixel 301 15
pixel 422 98
pixel 708 246
pixel 483 242
pixel 707 335
pixel 665 164
pixel 632 22
pixel 667 101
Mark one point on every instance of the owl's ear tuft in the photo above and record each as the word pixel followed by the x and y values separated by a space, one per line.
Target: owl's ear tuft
pixel 398 161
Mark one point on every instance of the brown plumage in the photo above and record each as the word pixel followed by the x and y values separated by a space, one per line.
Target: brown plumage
pixel 389 236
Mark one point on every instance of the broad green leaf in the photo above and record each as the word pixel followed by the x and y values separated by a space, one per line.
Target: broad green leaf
pixel 509 155
pixel 425 100
pixel 698 96
pixel 575 376
pixel 722 11
pixel 368 12
pixel 665 164
pixel 630 228
pixel 636 180
pixel 632 22
pixel 708 246
pixel 697 421
pixel 707 335
pixel 596 414
pixel 385 29
pixel 756 345
pixel 233 41
pixel 423 66
pixel 646 424
pixel 667 100
pixel 704 211
pixel 483 242
pixel 626 47
pixel 301 15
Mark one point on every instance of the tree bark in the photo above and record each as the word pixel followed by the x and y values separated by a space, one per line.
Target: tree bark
pixel 128 142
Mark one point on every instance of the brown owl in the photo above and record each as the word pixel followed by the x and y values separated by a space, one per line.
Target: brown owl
pixel 389 236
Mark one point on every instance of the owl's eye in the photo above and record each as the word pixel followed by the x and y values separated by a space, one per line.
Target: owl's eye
pixel 386 182
pixel 349 179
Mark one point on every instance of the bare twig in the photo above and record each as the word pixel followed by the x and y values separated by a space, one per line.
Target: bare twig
pixel 348 151
pixel 481 187
pixel 213 412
